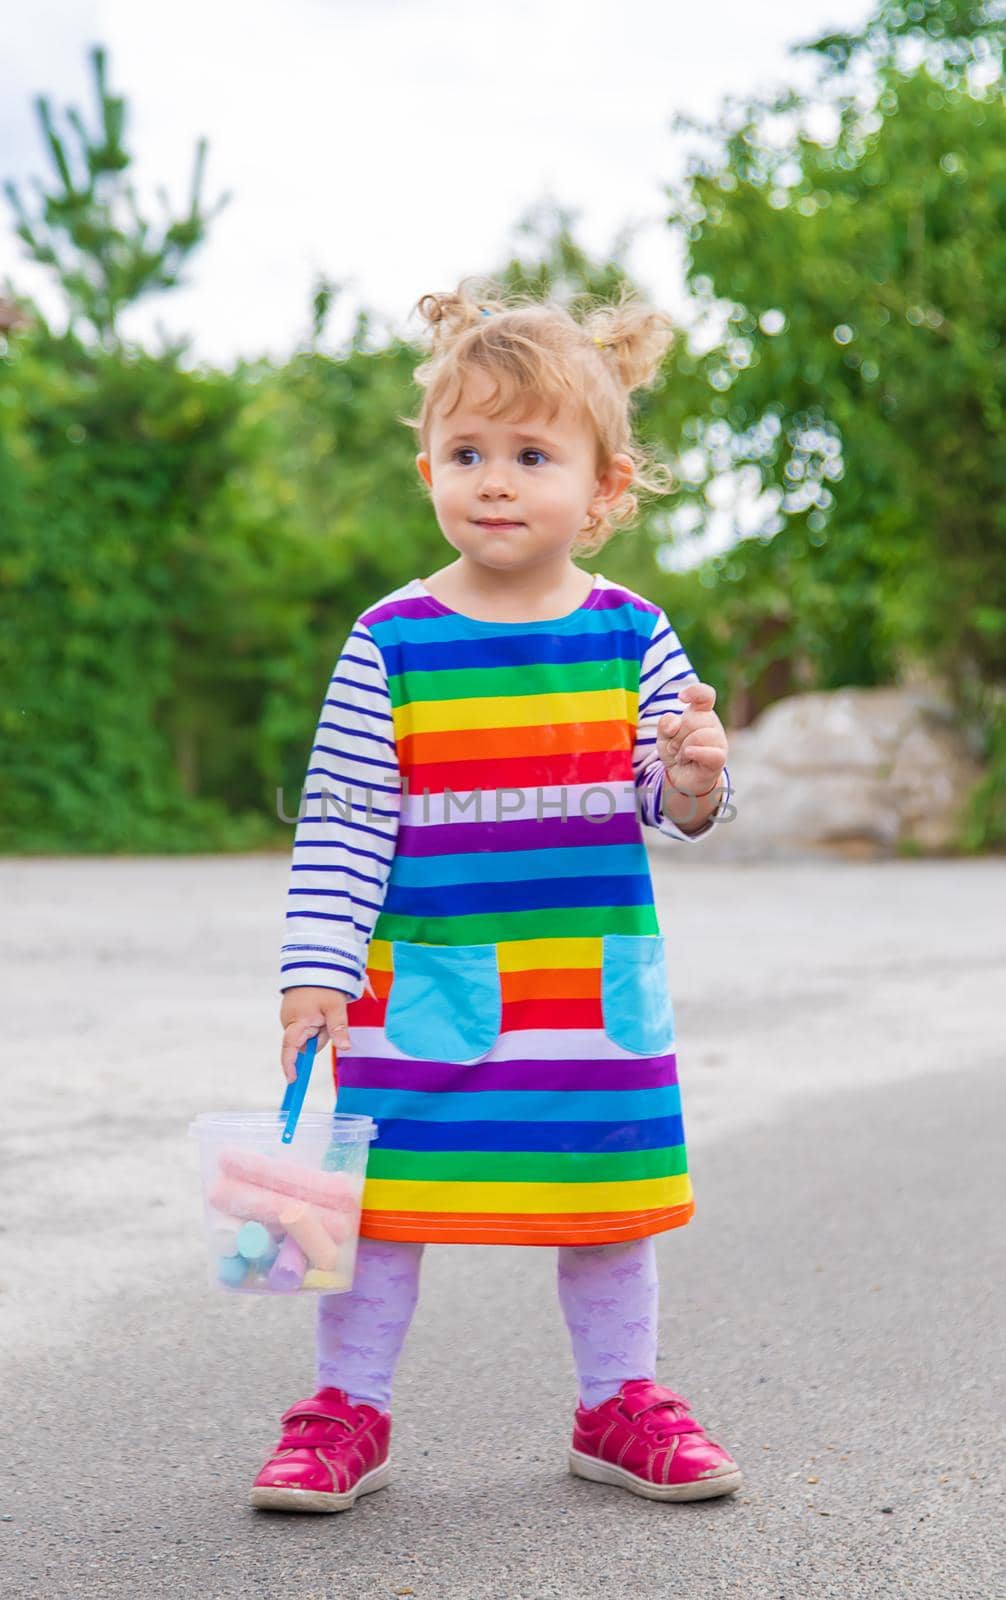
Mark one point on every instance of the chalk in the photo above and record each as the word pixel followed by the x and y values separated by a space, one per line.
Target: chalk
pixel 254 1241
pixel 332 1281
pixel 247 1200
pixel 337 1225
pixel 288 1269
pixel 305 1225
pixel 335 1189
pixel 251 1202
pixel 265 1261
pixel 231 1270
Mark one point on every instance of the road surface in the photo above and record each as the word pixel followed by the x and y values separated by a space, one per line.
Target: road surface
pixel 831 1310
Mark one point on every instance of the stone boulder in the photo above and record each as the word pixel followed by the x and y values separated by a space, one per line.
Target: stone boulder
pixel 856 772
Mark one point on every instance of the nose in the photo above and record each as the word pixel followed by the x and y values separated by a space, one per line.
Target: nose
pixel 494 485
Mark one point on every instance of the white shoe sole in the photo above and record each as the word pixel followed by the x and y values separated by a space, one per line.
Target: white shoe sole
pixel 725 1482
pixel 315 1499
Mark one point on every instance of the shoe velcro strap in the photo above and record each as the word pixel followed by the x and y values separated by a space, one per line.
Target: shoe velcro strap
pixel 315 1408
pixel 311 1439
pixel 679 1425
pixel 635 1412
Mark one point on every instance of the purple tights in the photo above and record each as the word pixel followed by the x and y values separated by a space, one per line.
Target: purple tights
pixel 608 1295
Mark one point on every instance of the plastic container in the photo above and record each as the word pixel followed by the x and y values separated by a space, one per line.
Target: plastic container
pixel 282 1193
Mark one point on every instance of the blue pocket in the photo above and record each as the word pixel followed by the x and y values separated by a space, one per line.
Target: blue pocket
pixel 635 998
pixel 446 1002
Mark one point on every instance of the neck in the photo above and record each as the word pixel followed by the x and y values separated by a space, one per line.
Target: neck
pixel 547 590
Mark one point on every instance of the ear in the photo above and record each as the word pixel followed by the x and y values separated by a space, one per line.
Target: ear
pixel 423 463
pixel 614 481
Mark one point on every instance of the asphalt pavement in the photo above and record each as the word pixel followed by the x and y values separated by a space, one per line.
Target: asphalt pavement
pixel 833 1311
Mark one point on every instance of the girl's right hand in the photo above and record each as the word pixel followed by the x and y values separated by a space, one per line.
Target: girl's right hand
pixel 309 1012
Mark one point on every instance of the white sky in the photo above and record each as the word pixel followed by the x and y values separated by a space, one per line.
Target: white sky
pixel 391 143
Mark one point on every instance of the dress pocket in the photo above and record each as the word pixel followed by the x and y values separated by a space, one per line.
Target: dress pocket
pixel 446 1001
pixel 635 998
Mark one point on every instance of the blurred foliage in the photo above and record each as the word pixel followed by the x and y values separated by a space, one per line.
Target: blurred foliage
pixel 184 550
pixel 847 363
pixel 111 465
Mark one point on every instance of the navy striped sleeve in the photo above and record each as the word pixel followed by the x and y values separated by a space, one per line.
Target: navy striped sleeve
pixel 346 829
pixel 665 670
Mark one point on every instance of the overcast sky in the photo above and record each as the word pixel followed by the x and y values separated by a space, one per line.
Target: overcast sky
pixel 391 143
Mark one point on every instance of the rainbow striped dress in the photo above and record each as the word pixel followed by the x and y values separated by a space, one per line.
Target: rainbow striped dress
pixel 469 868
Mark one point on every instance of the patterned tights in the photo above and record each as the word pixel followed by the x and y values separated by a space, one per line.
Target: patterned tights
pixel 608 1295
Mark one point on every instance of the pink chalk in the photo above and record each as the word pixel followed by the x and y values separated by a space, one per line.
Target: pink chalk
pixel 332 1189
pixel 337 1224
pixel 251 1202
pixel 247 1200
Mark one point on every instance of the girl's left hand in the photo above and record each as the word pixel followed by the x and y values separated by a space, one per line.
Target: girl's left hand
pixel 693 744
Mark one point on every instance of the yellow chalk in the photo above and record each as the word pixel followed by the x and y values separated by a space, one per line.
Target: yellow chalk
pixel 325 1280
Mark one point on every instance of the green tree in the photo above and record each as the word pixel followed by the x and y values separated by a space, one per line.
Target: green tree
pixel 848 361
pixel 111 463
pixel 87 225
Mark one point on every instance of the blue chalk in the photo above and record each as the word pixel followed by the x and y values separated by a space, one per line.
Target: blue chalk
pixel 231 1270
pixel 268 1256
pixel 254 1241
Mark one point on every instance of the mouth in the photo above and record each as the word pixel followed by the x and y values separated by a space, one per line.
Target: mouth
pixel 497 522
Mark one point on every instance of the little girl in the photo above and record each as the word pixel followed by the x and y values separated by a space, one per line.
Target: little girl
pixel 471 918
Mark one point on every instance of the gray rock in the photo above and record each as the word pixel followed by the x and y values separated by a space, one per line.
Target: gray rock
pixel 849 771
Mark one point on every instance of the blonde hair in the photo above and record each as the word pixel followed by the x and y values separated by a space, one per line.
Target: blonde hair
pixel 539 354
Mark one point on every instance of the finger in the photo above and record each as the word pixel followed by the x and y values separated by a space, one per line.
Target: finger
pixel 699 715
pixel 702 739
pixel 700 729
pixel 670 723
pixel 704 728
pixel 288 1061
pixel 338 1032
pixel 295 1037
pixel 702 696
pixel 703 756
pixel 693 738
pixel 673 727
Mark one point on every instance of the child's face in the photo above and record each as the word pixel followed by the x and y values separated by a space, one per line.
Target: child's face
pixel 535 480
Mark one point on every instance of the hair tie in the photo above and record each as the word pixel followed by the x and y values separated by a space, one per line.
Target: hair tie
pixel 485 311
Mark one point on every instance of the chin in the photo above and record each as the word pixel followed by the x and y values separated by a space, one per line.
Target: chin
pixel 493 552
pixel 496 562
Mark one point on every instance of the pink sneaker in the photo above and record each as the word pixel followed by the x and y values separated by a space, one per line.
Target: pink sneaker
pixel 329 1453
pixel 644 1440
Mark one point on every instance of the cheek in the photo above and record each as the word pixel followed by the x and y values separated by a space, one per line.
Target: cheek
pixel 442 494
pixel 554 493
pixel 451 489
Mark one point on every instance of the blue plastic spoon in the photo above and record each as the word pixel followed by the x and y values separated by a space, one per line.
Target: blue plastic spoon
pixel 293 1098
